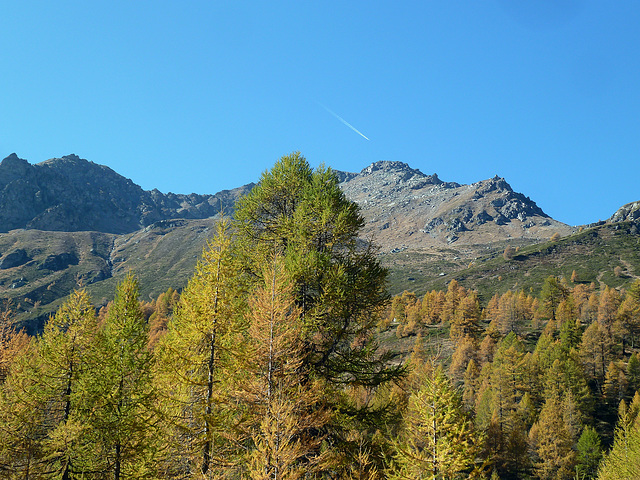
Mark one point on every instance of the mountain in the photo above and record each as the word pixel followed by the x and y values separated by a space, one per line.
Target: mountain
pixel 72 194
pixel 68 222
pixel 406 209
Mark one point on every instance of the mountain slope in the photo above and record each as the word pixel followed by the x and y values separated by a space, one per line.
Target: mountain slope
pixel 73 194
pixel 593 253
pixel 44 267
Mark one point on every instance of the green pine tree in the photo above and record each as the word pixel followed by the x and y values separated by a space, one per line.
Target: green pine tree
pixel 589 451
pixel 339 283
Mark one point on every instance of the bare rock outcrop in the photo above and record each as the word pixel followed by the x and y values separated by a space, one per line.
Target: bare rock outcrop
pixel 627 213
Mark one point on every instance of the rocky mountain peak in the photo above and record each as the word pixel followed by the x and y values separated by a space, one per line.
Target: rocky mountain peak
pixel 12 168
pixel 69 160
pixel 74 194
pixel 392 174
pixel 12 160
pixel 389 166
pixel 627 213
pixel 403 206
pixel 495 184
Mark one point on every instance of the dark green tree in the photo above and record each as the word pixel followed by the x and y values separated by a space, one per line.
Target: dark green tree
pixel 339 284
pixel 589 453
pixel 553 292
pixel 633 374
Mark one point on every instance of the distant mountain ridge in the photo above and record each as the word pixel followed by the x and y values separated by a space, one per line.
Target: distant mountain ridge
pixel 403 207
pixel 74 194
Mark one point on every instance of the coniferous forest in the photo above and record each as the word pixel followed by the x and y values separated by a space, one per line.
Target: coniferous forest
pixel 270 365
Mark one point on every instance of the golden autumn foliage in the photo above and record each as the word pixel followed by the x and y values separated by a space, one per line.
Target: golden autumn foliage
pixel 267 366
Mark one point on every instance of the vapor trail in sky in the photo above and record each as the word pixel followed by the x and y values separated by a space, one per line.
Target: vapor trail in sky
pixel 343 121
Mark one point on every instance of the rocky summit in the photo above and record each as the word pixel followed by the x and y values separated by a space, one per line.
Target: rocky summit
pixel 627 213
pixel 407 209
pixel 72 194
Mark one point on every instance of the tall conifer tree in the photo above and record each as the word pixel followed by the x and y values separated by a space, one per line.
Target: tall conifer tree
pixel 437 440
pixel 120 393
pixel 283 404
pixel 63 350
pixel 44 397
pixel 197 366
pixel 339 283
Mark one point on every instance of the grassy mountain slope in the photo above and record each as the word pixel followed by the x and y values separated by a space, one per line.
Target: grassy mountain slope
pixel 162 255
pixel 593 253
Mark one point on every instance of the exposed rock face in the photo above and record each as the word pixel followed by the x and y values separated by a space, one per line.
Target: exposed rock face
pixel 72 194
pixel 402 205
pixel 627 213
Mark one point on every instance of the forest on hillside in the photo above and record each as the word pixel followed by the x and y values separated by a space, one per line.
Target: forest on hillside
pixel 269 365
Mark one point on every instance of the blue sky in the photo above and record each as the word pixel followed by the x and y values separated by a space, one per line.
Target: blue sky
pixel 200 96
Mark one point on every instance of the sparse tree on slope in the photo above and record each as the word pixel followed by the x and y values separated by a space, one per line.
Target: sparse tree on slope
pixel 553 292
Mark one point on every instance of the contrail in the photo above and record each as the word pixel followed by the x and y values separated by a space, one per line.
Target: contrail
pixel 344 121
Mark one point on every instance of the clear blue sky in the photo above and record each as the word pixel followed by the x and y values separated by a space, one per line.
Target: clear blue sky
pixel 200 96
